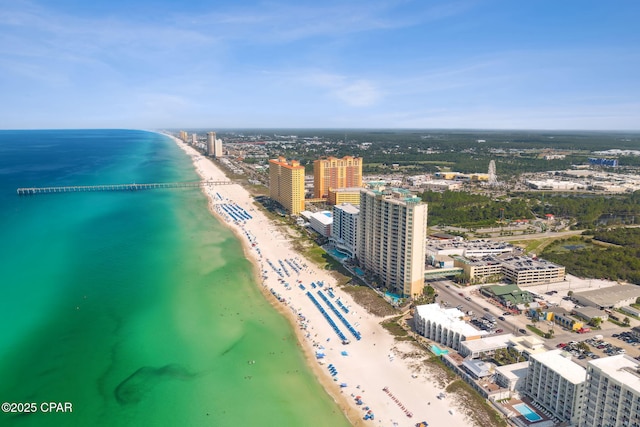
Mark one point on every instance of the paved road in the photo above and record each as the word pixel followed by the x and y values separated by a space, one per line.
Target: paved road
pixel 449 292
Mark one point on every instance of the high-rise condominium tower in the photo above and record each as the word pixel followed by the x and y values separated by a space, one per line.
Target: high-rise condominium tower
pixel 286 184
pixel 336 173
pixel 392 234
pixel 214 146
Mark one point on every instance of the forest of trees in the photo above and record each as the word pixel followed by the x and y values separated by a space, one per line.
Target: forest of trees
pixel 472 210
pixel 590 211
pixel 613 263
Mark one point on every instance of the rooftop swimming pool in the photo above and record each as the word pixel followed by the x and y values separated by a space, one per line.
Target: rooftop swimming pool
pixel 527 412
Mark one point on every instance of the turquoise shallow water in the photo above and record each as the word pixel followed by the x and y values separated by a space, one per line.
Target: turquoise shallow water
pixel 137 308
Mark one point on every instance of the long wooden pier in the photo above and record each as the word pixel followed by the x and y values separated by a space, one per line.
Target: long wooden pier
pixel 27 191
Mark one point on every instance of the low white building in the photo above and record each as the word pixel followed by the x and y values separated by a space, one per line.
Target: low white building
pixel 445 325
pixel 512 376
pixel 485 346
pixel 321 222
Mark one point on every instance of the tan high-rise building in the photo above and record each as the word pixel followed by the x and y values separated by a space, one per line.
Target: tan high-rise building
pixel 286 184
pixel 336 173
pixel 214 146
pixel 392 238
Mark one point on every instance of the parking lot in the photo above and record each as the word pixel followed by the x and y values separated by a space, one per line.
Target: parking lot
pixel 598 346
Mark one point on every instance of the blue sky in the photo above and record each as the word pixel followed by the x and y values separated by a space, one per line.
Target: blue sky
pixel 499 64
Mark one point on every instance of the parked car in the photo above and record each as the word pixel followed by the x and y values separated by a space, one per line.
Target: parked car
pixel 522 331
pixel 501 318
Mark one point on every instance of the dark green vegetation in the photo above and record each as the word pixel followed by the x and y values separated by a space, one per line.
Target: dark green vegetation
pixel 472 210
pixel 394 327
pixel 585 211
pixel 589 211
pixel 613 263
pixel 507 356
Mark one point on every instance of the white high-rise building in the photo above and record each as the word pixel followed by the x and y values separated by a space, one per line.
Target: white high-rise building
pixel 612 393
pixel 392 235
pixel 557 384
pixel 344 233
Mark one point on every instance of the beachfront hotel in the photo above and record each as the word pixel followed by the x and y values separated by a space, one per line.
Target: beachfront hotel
pixel 214 146
pixel 344 233
pixel 392 232
pixel 612 393
pixel 445 325
pixel 331 173
pixel 286 184
pixel 557 384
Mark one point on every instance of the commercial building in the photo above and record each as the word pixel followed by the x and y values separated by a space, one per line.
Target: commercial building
pixel 444 325
pixel 507 295
pixel 612 393
pixel 338 196
pixel 392 233
pixel 286 184
pixel 321 222
pixel 336 173
pixel 557 384
pixel 610 297
pixel 344 232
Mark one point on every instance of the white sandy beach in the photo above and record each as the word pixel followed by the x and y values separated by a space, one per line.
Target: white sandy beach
pixel 371 364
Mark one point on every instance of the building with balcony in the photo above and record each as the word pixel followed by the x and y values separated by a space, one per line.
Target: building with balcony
pixel 336 173
pixel 286 184
pixel 612 393
pixel 338 196
pixel 391 238
pixel 444 325
pixel 557 384
pixel 344 232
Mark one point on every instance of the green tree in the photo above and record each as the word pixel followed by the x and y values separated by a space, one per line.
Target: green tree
pixel 626 321
pixel 596 322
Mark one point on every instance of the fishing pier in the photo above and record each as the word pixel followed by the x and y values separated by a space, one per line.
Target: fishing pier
pixel 28 191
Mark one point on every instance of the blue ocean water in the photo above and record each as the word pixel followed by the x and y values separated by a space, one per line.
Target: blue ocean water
pixel 137 308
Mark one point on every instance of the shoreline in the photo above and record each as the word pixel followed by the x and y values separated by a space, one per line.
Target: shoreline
pixel 365 367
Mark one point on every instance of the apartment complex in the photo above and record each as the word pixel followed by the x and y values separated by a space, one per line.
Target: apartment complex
pixel 612 393
pixel 286 184
pixel 214 146
pixel 344 233
pixel 336 173
pixel 557 384
pixel 392 233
